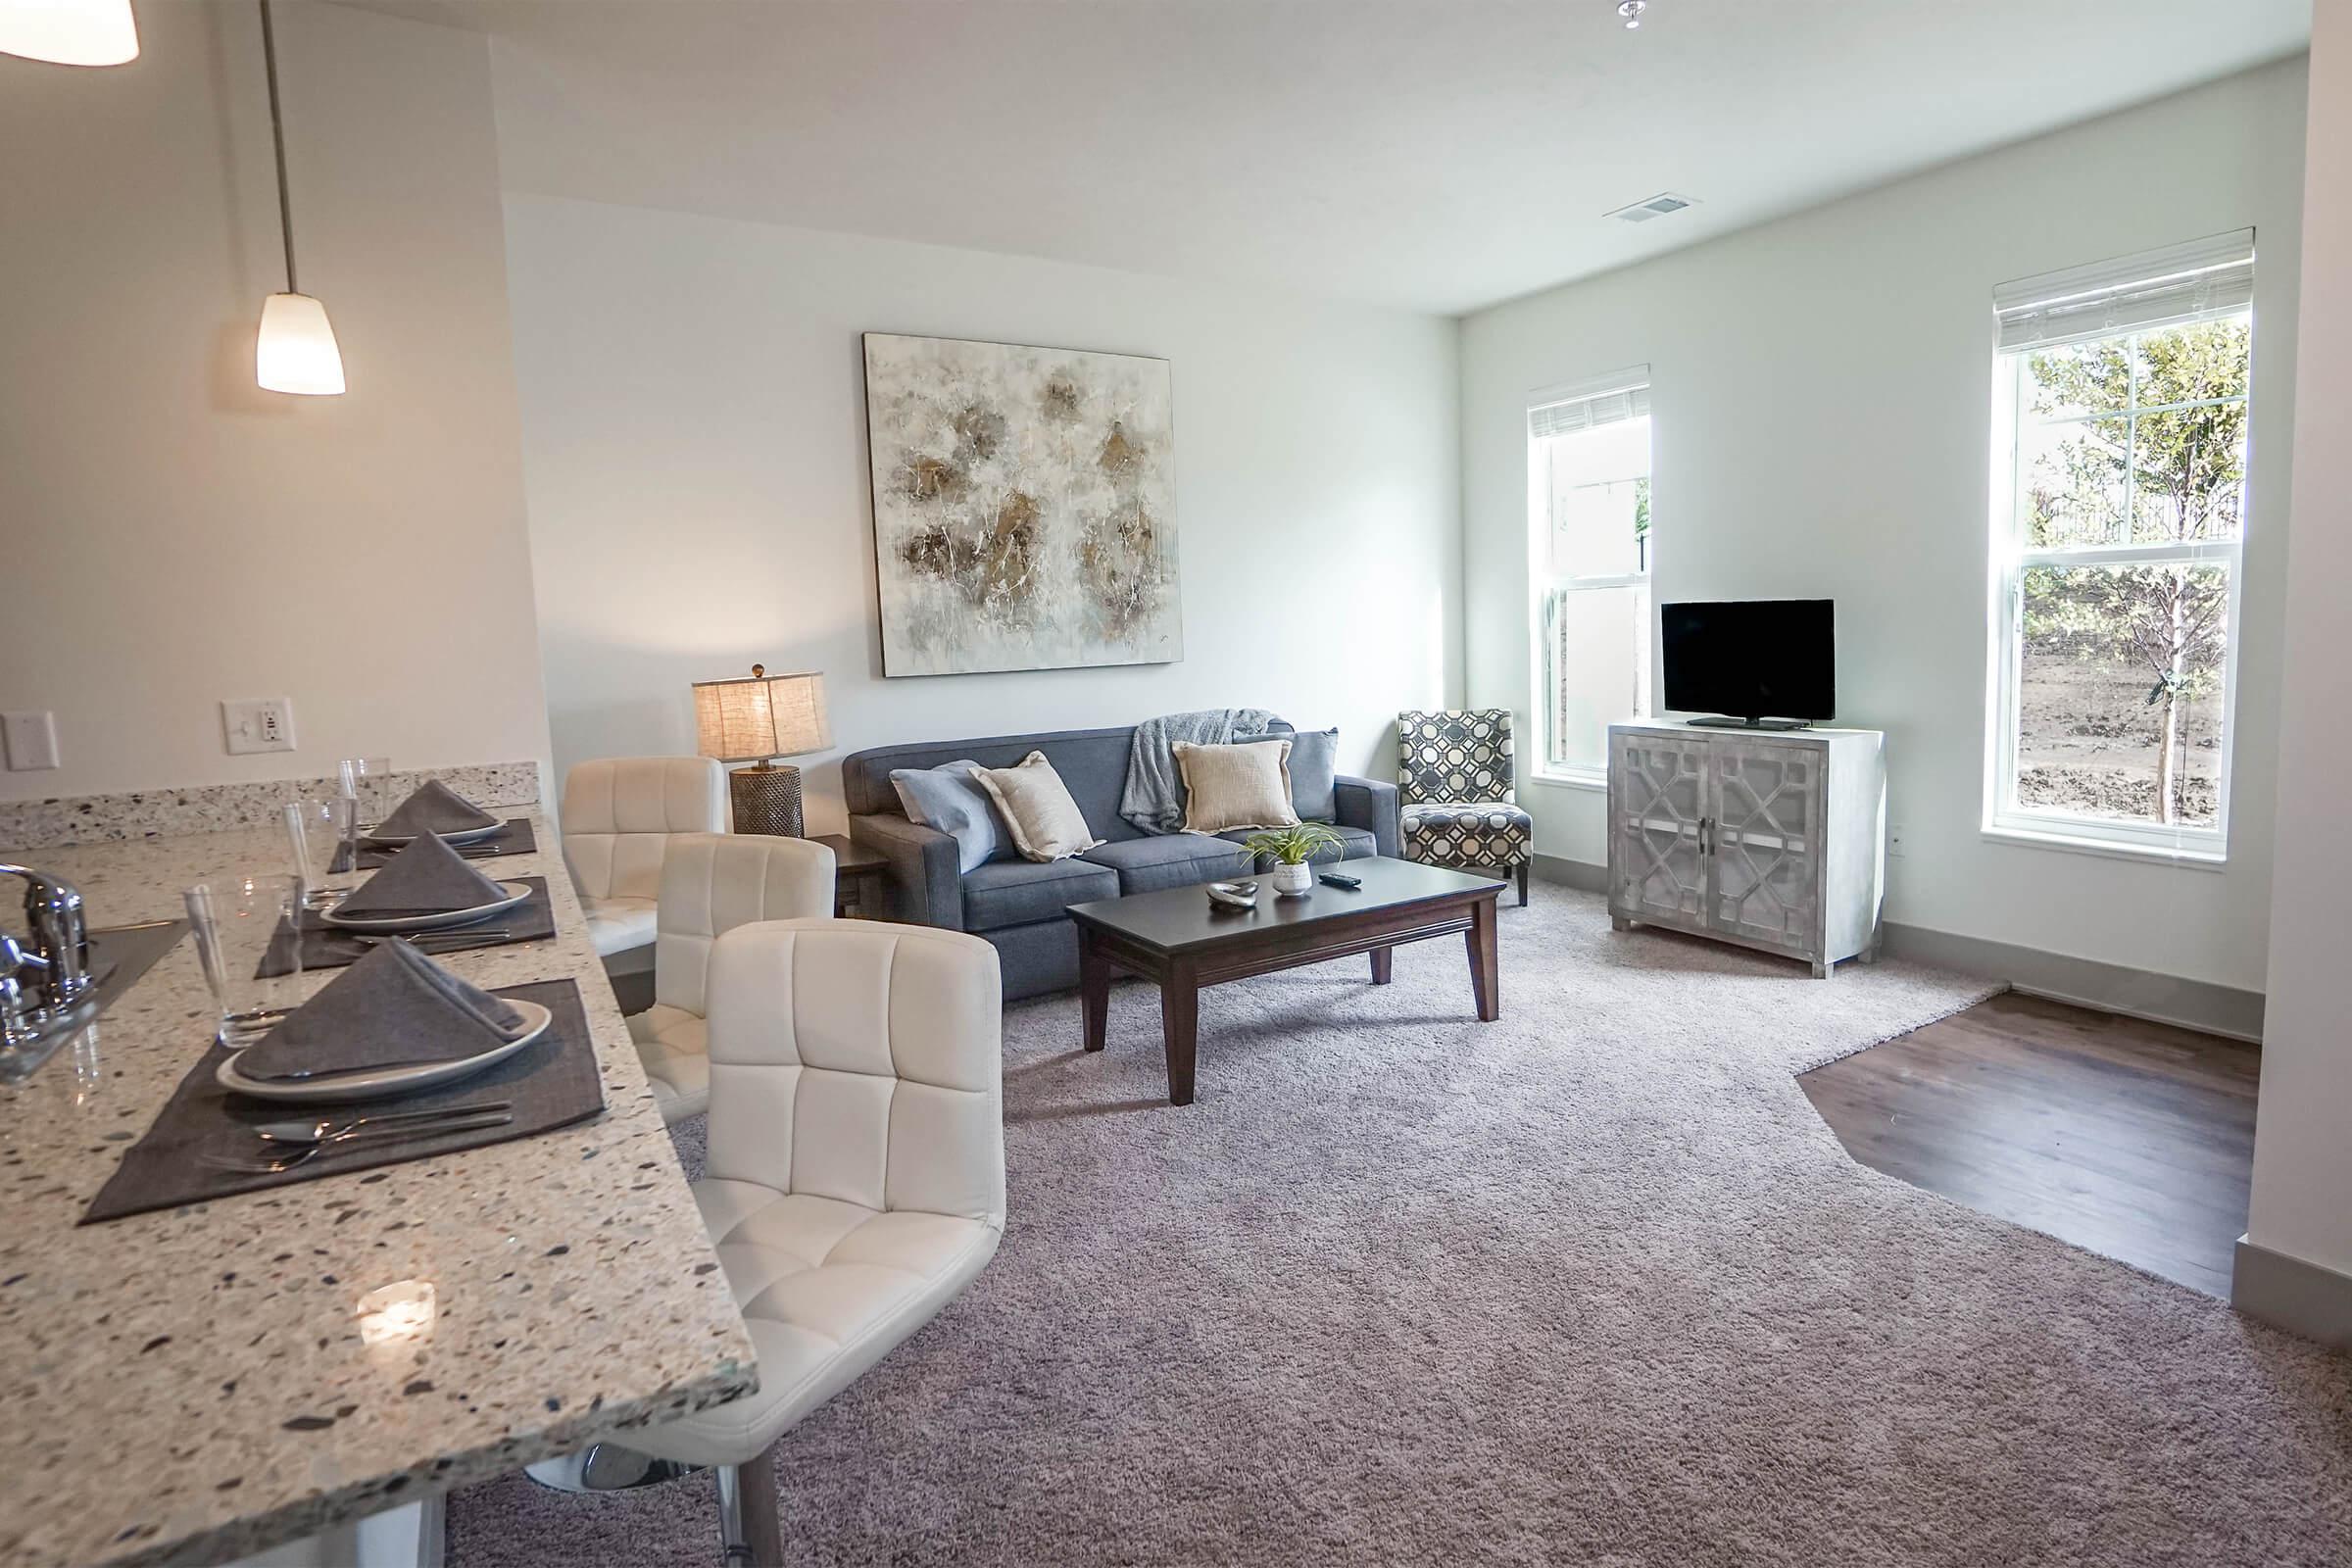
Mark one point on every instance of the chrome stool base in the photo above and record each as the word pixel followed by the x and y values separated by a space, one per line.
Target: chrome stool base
pixel 605 1467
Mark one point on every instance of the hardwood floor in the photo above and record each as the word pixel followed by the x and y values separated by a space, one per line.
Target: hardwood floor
pixel 2134 1140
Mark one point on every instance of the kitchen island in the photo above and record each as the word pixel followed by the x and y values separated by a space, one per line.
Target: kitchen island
pixel 192 1385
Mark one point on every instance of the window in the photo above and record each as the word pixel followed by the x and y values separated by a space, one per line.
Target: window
pixel 1587 449
pixel 2122 397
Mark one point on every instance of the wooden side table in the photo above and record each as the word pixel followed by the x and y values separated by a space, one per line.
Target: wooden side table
pixel 858 892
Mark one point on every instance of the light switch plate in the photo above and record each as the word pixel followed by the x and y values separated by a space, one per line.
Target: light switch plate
pixel 32 740
pixel 257 724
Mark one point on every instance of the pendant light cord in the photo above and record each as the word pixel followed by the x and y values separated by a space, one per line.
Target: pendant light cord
pixel 277 135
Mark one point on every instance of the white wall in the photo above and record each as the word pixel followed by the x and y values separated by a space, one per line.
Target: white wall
pixel 173 535
pixel 1822 389
pixel 2303 1133
pixel 695 454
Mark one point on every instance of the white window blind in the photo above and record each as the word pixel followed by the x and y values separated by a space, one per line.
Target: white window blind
pixel 2181 283
pixel 1588 404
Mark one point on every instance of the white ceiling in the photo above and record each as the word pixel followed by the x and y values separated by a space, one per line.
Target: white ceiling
pixel 1438 154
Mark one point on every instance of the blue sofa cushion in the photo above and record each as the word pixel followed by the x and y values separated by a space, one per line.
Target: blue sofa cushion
pixel 949 799
pixel 1359 843
pixel 1169 860
pixel 1315 770
pixel 1006 893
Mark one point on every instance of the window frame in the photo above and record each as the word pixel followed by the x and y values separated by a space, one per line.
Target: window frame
pixel 1545 588
pixel 2004 818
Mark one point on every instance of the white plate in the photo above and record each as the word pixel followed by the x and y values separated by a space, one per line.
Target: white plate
pixel 463 835
pixel 375 1083
pixel 518 892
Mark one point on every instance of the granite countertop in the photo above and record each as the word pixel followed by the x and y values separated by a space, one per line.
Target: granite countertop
pixel 192 1385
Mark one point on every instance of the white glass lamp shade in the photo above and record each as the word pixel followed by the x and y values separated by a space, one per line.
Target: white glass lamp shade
pixel 69 32
pixel 297 350
pixel 767 715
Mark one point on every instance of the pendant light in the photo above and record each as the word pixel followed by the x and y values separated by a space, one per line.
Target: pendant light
pixel 296 351
pixel 69 32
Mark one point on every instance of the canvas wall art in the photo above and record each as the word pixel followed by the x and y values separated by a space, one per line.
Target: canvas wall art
pixel 1024 505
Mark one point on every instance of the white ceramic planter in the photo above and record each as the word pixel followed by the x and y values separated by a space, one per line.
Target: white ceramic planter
pixel 1291 880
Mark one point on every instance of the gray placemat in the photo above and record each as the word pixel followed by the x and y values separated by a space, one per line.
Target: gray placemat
pixel 328 946
pixel 553 1082
pixel 514 838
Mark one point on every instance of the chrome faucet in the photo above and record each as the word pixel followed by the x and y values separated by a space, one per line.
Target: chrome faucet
pixel 46 991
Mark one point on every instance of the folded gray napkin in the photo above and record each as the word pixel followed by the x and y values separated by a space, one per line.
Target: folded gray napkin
pixel 393 1009
pixel 427 877
pixel 435 808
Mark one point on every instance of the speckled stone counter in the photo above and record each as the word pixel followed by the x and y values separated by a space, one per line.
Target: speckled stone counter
pixel 192 1385
pixel 224 808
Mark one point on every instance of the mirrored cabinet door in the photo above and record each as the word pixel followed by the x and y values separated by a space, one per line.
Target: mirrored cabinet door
pixel 1765 842
pixel 1658 798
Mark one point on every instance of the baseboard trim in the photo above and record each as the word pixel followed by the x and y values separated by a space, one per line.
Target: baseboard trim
pixel 2294 1294
pixel 2200 1005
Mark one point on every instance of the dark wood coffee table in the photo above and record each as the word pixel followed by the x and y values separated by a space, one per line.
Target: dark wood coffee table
pixel 1183 942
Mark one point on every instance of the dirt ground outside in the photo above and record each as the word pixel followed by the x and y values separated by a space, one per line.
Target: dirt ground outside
pixel 2087 740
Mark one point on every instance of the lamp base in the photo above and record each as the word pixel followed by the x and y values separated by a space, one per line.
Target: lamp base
pixel 768 800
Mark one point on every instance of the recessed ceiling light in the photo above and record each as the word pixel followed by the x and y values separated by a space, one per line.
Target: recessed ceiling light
pixel 1631 10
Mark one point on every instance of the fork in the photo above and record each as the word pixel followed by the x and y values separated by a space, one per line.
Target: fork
pixel 280 1164
pixel 454 934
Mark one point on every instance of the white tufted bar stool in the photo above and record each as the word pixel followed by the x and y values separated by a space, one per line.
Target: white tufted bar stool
pixel 620 816
pixel 856 1177
pixel 711 884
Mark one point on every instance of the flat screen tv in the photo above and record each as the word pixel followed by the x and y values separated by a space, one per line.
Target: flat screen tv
pixel 1764 663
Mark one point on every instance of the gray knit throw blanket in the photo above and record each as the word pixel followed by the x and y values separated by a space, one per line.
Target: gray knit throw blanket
pixel 1153 799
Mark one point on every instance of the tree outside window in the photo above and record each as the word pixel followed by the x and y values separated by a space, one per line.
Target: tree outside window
pixel 2131 454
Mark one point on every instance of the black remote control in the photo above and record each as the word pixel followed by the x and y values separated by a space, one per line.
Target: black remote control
pixel 1337 880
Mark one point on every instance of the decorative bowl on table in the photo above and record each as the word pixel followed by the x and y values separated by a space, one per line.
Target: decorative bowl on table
pixel 1233 895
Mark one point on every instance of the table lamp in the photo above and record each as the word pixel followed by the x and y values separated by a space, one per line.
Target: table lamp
pixel 755 719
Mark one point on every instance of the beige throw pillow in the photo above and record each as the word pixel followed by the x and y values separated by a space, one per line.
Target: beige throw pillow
pixel 1235 786
pixel 1036 805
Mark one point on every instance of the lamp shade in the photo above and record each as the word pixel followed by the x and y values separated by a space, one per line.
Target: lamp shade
pixel 751 718
pixel 69 32
pixel 297 350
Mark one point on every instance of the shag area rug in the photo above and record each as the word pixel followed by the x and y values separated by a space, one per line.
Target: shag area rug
pixel 1591 1285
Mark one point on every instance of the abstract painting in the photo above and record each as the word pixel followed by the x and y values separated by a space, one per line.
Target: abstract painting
pixel 1024 507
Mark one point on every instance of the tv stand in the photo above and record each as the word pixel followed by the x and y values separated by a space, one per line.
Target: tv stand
pixel 1771 841
pixel 1728 722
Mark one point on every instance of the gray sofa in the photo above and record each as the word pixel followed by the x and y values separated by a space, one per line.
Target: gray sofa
pixel 1017 905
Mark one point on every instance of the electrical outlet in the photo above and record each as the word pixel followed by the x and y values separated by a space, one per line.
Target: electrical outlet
pixel 257 724
pixel 1895 841
pixel 31 740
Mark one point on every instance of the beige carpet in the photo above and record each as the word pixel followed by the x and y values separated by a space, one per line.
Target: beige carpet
pixel 1588 1285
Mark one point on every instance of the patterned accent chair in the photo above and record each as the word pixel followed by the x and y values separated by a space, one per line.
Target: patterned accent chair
pixel 1456 788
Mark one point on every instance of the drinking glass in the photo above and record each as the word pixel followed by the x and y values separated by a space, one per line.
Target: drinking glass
pixel 234 918
pixel 322 829
pixel 368 780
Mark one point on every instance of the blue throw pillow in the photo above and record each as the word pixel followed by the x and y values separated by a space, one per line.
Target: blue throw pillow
pixel 1314 766
pixel 948 798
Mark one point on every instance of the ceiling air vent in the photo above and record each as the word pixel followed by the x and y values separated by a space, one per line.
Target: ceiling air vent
pixel 1657 206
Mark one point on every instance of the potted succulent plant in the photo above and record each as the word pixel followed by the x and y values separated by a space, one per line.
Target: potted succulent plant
pixel 1292 848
